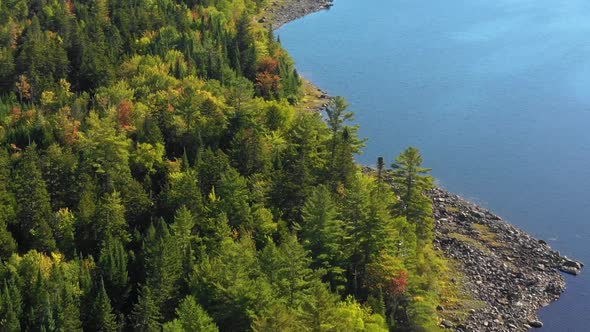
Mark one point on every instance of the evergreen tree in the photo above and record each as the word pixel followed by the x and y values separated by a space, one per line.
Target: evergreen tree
pixel 193 317
pixel 33 207
pixel 293 273
pixel 412 181
pixel 163 267
pixel 245 48
pixel 184 191
pixel 235 199
pixel 68 311
pixel 278 317
pixel 7 208
pixel 103 319
pixel 10 307
pixel 146 314
pixel 344 142
pixel 110 220
pixel 323 234
pixel 113 267
pixel 182 228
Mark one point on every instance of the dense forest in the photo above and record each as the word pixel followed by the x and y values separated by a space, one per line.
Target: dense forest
pixel 157 174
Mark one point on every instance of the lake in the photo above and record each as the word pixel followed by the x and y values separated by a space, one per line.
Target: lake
pixel 496 94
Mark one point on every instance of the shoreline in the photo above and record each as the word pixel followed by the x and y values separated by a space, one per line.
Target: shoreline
pixel 509 272
pixel 281 12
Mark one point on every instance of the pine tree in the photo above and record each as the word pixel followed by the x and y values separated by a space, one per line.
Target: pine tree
pixel 344 142
pixel 278 317
pixel 67 312
pixel 7 208
pixel 293 273
pixel 319 307
pixel 33 207
pixel 182 228
pixel 10 307
pixel 323 234
pixel 184 191
pixel 110 220
pixel 369 225
pixel 193 317
pixel 146 314
pixel 103 319
pixel 235 199
pixel 246 48
pixel 412 181
pixel 113 267
pixel 163 265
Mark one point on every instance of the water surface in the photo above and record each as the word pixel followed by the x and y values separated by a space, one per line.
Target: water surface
pixel 496 95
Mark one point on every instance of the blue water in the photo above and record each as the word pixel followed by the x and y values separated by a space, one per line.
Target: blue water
pixel 495 93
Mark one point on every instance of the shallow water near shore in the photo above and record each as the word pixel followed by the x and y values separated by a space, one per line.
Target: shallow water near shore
pixel 496 94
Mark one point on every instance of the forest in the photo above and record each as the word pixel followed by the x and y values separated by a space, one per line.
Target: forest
pixel 158 174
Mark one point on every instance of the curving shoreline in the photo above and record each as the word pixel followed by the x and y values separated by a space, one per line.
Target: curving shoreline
pixel 281 12
pixel 509 272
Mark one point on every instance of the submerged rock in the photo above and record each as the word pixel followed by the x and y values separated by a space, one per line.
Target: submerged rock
pixel 536 323
pixel 569 270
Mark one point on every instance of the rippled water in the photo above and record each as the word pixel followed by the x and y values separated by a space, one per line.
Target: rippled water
pixel 496 94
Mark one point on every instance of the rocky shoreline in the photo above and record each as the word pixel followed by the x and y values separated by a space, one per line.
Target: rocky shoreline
pixel 512 274
pixel 281 12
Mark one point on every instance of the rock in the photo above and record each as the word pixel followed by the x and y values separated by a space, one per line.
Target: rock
pixel 478 214
pixel 447 324
pixel 262 20
pixel 536 323
pixel 440 308
pixel 572 263
pixel 569 270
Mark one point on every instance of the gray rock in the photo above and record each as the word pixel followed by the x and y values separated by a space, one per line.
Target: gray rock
pixel 572 263
pixel 447 324
pixel 570 270
pixel 536 323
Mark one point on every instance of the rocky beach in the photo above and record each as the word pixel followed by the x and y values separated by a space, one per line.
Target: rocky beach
pixel 511 273
pixel 283 11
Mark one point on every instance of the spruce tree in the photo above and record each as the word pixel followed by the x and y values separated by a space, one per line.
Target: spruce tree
pixel 110 220
pixel 8 244
pixel 102 317
pixel 10 307
pixel 323 234
pixel 146 314
pixel 193 317
pixel 163 261
pixel 113 268
pixel 33 206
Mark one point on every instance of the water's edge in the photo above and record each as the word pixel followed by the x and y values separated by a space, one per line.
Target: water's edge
pixel 514 276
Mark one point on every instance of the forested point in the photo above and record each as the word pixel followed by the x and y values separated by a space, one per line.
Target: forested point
pixel 156 174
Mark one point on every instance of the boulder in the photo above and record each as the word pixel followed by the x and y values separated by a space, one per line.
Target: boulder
pixel 536 323
pixel 569 270
pixel 572 263
pixel 447 324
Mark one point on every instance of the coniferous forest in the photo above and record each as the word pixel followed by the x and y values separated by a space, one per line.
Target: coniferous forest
pixel 157 174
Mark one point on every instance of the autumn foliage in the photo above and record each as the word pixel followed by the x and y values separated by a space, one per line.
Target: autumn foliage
pixel 268 81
